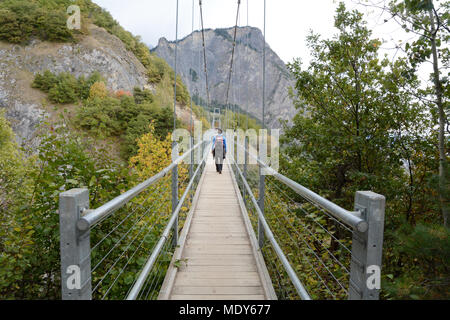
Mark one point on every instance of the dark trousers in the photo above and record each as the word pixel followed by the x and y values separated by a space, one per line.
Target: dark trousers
pixel 219 167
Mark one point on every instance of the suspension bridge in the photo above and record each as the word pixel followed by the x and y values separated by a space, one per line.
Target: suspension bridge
pixel 250 233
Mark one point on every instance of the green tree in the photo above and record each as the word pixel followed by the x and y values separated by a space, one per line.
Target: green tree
pixel 16 229
pixel 430 25
pixel 360 126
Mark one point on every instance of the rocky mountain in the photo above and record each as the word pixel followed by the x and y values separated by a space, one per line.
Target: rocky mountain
pixel 246 89
pixel 99 51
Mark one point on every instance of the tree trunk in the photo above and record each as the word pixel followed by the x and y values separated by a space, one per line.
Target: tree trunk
pixel 443 192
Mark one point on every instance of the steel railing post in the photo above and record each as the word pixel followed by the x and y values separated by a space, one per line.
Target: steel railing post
pixel 245 167
pixel 75 247
pixel 262 187
pixel 367 247
pixel 175 191
pixel 191 166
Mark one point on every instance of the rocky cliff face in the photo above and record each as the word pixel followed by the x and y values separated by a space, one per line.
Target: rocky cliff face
pixel 246 89
pixel 99 51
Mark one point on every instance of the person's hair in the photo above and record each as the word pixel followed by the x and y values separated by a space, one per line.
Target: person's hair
pixel 220 130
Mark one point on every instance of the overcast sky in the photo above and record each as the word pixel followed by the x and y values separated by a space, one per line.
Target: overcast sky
pixel 287 24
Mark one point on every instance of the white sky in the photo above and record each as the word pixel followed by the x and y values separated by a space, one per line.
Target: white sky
pixel 287 22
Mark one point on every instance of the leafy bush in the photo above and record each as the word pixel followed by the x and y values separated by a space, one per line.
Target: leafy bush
pixel 65 89
pixel 84 85
pixel 100 116
pixel 425 250
pixel 142 96
pixel 45 81
pixel 15 228
pixel 20 20
pixel 29 228
pixel 98 90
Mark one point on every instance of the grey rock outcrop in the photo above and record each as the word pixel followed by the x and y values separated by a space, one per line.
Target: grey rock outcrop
pixel 246 89
pixel 99 51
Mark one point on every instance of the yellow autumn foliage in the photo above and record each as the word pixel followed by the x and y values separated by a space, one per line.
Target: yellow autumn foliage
pixel 153 156
pixel 98 90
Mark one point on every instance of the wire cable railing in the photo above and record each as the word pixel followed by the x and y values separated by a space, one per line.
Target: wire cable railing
pixel 327 247
pixel 133 236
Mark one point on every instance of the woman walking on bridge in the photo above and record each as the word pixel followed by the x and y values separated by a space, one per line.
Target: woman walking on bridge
pixel 219 150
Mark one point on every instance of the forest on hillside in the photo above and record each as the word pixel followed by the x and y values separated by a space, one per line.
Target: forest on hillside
pixel 367 123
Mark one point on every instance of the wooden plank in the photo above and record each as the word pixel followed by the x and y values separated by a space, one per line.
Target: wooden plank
pixel 219 269
pixel 197 250
pixel 236 282
pixel 215 240
pixel 220 262
pixel 216 297
pixel 217 290
pixel 218 275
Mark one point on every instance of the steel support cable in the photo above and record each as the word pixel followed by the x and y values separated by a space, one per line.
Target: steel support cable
pixel 232 56
pixel 126 264
pixel 191 127
pixel 320 241
pixel 351 218
pixel 140 244
pixel 121 222
pixel 274 267
pixel 290 271
pixel 175 77
pixel 126 249
pixel 158 274
pixel 312 251
pixel 246 55
pixel 151 260
pixel 120 240
pixel 93 217
pixel 204 56
pixel 309 263
pixel 146 289
pixel 313 220
pixel 297 246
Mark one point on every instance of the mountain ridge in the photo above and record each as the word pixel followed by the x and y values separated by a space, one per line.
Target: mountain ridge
pixel 247 70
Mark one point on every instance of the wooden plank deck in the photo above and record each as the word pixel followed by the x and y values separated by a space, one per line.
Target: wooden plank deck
pixel 218 251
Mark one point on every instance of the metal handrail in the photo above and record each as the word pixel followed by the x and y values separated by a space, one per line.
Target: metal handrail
pixel 351 218
pixel 134 292
pixel 287 266
pixel 94 216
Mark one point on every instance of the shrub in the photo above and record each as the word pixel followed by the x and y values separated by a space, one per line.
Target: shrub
pixel 84 85
pixel 142 96
pixel 45 81
pixel 65 90
pixel 122 93
pixel 98 90
pixel 101 116
pixel 15 227
pixel 20 20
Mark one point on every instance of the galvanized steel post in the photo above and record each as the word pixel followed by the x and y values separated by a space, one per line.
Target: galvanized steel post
pixel 175 191
pixel 367 247
pixel 262 156
pixel 74 246
pixel 191 166
pixel 245 166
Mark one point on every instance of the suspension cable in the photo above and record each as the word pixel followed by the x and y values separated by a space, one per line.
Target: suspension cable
pixel 232 54
pixel 175 77
pixel 204 55
pixel 264 70
pixel 191 129
pixel 246 55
